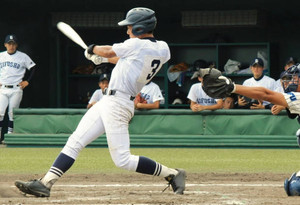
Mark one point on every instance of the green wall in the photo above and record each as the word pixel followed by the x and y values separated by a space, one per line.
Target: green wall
pixel 164 128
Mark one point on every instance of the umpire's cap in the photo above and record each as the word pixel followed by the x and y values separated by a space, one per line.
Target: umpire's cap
pixel 104 76
pixel 11 38
pixel 142 19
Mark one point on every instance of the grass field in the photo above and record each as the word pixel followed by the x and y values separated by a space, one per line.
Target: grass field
pixel 97 160
pixel 214 176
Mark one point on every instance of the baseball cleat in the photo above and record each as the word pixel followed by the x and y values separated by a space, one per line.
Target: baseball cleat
pixel 33 187
pixel 177 181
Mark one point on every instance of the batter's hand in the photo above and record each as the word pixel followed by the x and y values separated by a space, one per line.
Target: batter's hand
pixel 23 84
pixel 97 60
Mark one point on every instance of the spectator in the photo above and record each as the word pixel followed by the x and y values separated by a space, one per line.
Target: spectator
pixel 258 80
pixel 149 98
pixel 199 99
pixel 98 94
pixel 15 74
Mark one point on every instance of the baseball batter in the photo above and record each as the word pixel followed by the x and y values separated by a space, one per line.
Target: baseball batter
pixel 13 66
pixel 137 60
pixel 220 86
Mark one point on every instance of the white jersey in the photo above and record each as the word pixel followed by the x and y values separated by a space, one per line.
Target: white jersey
pixel 151 92
pixel 293 101
pixel 140 60
pixel 265 81
pixel 197 94
pixel 13 67
pixel 97 95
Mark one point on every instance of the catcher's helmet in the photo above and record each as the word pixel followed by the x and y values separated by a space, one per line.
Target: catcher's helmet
pixel 290 78
pixel 143 20
pixel 292 185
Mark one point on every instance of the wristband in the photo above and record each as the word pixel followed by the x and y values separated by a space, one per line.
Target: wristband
pixel 91 48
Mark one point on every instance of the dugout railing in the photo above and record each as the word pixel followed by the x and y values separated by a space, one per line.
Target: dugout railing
pixel 164 128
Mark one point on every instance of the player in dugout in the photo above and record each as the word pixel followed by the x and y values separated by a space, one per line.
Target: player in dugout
pixel 137 60
pixel 16 71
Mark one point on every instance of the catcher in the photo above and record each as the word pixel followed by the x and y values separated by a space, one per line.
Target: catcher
pixel 218 86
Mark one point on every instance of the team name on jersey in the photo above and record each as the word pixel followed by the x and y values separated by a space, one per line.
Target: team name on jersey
pixel 145 96
pixel 205 100
pixel 10 64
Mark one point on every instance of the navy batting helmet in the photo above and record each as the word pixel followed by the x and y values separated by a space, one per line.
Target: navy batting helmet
pixel 292 185
pixel 143 20
pixel 290 78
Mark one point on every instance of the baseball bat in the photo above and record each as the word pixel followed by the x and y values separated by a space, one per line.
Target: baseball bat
pixel 71 34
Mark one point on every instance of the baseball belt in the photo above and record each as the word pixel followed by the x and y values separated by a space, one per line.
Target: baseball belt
pixel 9 86
pixel 118 93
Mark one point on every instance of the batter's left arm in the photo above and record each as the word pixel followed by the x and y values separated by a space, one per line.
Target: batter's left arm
pixel 104 51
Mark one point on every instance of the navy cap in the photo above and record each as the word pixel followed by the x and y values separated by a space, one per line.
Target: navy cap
pixel 257 61
pixel 11 38
pixel 104 76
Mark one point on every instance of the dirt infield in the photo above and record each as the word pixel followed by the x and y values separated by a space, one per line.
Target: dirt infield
pixel 209 188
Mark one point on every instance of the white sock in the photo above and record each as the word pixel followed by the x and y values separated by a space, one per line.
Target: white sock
pixel 165 171
pixel 49 179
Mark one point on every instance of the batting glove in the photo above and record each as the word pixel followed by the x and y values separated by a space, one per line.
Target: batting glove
pixel 97 60
pixel 90 49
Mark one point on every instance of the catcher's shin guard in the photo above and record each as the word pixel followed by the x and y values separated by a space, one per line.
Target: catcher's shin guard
pixel 177 181
pixel 33 187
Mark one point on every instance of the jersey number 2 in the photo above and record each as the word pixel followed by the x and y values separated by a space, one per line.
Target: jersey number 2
pixel 155 65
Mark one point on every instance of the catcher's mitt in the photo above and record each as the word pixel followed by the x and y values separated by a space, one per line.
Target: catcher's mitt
pixel 215 85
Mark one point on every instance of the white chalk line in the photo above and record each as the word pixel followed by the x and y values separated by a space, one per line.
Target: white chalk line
pixel 163 185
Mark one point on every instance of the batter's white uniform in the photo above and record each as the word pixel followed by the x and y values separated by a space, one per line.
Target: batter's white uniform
pixel 197 94
pixel 265 81
pixel 12 70
pixel 140 60
pixel 151 93
pixel 97 95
